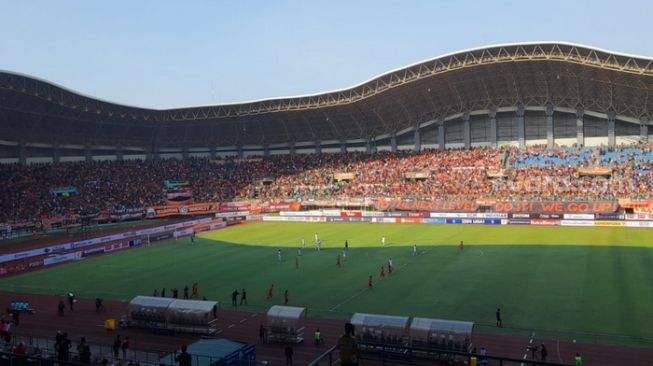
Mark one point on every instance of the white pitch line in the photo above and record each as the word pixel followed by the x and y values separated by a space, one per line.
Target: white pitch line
pixel 333 308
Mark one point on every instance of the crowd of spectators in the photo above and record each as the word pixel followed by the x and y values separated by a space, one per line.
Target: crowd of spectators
pixel 506 173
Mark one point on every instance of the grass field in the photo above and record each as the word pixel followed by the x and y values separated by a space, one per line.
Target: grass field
pixel 583 280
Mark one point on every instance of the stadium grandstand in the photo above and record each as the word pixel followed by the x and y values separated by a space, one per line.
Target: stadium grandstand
pixel 523 113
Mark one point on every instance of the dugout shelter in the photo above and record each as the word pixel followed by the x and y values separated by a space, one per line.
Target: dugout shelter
pixel 283 324
pixel 451 335
pixel 381 329
pixel 173 315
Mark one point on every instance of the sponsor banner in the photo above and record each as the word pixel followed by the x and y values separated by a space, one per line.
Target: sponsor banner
pixel 612 216
pixel 576 222
pixel 452 206
pixel 217 225
pixel 116 246
pixel 276 207
pixel 185 232
pixel 638 223
pixel 183 210
pixel 332 213
pixel 608 223
pixel 103 239
pixel 639 217
pixel 373 214
pixel 89 252
pixel 408 220
pixel 547 216
pixel 337 219
pixel 418 214
pixel 367 219
pixel 432 221
pixel 464 215
pixel 275 218
pixel 350 213
pixel 518 215
pixel 519 222
pixel 545 222
pixel 395 214
pixel 578 216
pixel 557 207
pixel 474 221
pixel 232 214
pixel 162 236
pixel 315 219
pixel 62 258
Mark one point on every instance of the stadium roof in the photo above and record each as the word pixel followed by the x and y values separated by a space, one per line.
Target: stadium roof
pixel 559 74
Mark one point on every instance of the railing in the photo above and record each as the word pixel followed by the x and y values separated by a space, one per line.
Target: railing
pixel 326 358
pixel 418 356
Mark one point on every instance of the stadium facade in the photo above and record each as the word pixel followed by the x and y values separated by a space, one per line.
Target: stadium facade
pixel 549 93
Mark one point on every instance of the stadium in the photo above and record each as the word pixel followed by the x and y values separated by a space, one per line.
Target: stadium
pixel 515 176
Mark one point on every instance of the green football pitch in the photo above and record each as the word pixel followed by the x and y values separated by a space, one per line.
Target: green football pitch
pixel 568 280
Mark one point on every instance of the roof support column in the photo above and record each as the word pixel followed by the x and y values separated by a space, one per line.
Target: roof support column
pixel 467 130
pixel 418 139
pixel 292 148
pixel 521 126
pixel 441 139
pixel 368 146
pixel 612 140
pixel 241 152
pixel 184 153
pixel 318 147
pixel 88 153
pixel 212 152
pixel 549 127
pixel 393 142
pixel 22 153
pixel 643 129
pixel 493 126
pixel 56 153
pixel 266 150
pixel 580 126
pixel 120 153
pixel 343 146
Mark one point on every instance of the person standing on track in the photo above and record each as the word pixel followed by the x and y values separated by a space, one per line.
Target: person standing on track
pixel 578 360
pixel 462 246
pixel 543 352
pixel 390 265
pixel 414 250
pixel 71 300
pixel 270 292
pixel 285 297
pixel 338 260
pixel 234 298
pixel 243 297
pixel 383 241
pixel 498 314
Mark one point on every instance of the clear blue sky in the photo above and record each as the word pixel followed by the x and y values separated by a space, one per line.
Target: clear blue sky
pixel 165 54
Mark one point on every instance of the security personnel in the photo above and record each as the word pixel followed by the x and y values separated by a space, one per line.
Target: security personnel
pixel 579 360
pixel 317 336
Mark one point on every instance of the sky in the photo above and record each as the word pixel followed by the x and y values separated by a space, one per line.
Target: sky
pixel 164 54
